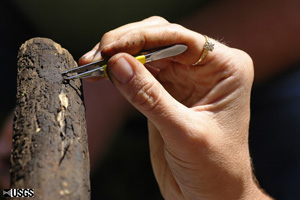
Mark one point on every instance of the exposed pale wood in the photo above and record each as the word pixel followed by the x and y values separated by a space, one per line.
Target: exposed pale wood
pixel 50 149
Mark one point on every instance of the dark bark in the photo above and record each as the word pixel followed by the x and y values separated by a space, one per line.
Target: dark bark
pixel 50 147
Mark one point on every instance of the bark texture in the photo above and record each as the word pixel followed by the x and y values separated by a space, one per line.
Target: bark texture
pixel 50 147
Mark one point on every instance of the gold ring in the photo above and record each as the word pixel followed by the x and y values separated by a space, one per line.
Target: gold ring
pixel 208 46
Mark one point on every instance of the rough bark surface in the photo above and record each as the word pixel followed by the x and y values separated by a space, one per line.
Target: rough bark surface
pixel 50 149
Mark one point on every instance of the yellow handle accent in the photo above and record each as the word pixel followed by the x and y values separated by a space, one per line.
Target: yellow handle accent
pixel 141 58
pixel 105 70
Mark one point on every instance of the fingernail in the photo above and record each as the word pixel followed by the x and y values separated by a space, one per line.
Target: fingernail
pixel 97 56
pixel 121 70
pixel 110 44
pixel 89 54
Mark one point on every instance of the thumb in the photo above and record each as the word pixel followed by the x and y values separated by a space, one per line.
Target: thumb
pixel 142 90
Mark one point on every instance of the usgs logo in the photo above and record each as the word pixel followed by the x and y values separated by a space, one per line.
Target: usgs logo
pixel 18 193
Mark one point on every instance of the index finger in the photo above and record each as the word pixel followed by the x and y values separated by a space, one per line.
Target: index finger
pixel 147 38
pixel 114 35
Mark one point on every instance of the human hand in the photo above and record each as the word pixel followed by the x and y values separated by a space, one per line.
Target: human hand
pixel 198 116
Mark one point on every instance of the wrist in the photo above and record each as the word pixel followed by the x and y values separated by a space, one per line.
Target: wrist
pixel 256 192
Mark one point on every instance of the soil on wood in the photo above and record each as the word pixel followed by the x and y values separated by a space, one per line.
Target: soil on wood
pixel 50 149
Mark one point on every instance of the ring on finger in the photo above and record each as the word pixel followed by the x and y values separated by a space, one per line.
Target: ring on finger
pixel 208 46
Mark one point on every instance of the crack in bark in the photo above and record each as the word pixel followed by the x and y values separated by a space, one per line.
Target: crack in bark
pixel 49 125
pixel 64 154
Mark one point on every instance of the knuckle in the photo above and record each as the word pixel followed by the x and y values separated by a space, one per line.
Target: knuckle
pixel 157 20
pixel 245 65
pixel 146 97
pixel 176 26
pixel 246 57
pixel 106 36
pixel 177 31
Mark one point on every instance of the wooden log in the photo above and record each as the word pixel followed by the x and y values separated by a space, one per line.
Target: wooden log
pixel 50 146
